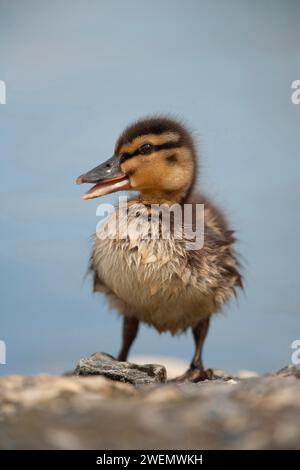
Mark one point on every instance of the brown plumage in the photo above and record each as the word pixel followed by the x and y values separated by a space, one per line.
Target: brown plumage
pixel 161 282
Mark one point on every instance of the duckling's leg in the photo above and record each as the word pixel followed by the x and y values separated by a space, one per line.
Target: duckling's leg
pixel 130 329
pixel 196 372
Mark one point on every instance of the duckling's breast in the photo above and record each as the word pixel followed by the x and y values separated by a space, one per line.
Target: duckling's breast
pixel 147 276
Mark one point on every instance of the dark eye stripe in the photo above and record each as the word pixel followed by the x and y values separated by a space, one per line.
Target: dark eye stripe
pixel 155 148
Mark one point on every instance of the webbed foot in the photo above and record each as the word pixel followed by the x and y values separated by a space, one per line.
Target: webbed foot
pixel 195 375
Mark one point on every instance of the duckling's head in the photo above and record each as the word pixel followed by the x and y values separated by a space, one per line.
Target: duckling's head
pixel 155 156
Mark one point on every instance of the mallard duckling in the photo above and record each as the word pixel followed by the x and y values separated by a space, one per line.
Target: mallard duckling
pixel 160 281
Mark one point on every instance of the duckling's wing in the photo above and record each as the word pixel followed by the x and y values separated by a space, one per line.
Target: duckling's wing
pixel 217 261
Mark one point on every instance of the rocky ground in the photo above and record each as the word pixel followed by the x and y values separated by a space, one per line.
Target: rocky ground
pixel 133 406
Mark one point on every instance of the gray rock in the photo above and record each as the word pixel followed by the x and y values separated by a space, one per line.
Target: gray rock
pixel 288 371
pixel 93 412
pixel 126 372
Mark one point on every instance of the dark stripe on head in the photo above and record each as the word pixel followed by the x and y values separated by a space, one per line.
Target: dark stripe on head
pixel 155 125
pixel 155 148
pixel 172 158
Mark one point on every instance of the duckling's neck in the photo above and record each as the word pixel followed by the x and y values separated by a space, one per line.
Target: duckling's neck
pixel 163 197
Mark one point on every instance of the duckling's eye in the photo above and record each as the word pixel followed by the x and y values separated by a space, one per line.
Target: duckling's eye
pixel 145 149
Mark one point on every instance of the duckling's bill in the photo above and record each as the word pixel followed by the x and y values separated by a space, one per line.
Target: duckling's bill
pixel 107 187
pixel 108 177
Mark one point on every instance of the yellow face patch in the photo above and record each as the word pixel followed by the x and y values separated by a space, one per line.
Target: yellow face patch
pixel 153 139
pixel 158 172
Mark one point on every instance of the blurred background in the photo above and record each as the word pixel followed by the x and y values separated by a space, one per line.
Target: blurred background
pixel 76 73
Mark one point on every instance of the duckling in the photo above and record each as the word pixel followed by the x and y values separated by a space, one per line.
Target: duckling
pixel 159 280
